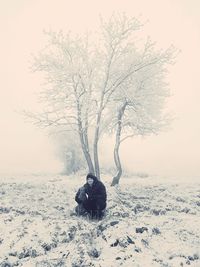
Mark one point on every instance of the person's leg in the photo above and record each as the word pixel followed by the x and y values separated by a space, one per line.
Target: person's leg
pixel 100 209
pixel 90 206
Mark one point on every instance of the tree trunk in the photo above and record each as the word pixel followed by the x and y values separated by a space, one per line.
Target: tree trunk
pixel 83 133
pixel 86 153
pixel 95 148
pixel 117 177
pixel 101 107
pixel 117 161
pixel 89 162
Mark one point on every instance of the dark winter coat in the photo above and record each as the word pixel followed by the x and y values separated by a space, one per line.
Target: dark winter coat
pixel 96 196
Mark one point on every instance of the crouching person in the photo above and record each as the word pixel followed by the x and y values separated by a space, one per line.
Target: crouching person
pixel 91 198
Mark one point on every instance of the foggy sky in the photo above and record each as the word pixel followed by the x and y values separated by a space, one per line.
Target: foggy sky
pixel 25 148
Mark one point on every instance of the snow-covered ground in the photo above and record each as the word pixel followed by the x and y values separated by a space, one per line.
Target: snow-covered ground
pixel 150 221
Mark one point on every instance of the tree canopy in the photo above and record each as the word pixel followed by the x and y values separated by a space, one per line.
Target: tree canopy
pixel 112 83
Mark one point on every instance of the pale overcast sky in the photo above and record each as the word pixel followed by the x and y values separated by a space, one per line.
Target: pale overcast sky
pixel 25 148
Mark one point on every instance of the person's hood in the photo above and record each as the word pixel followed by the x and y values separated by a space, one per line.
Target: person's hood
pixel 90 175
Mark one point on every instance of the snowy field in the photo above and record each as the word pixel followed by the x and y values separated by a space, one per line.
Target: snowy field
pixel 150 221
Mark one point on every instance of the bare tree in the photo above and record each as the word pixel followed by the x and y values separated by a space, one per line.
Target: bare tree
pixel 116 36
pixel 68 68
pixel 85 77
pixel 135 83
pixel 137 107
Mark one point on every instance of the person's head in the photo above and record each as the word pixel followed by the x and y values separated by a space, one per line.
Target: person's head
pixel 90 179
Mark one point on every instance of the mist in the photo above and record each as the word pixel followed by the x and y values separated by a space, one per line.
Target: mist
pixel 24 148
